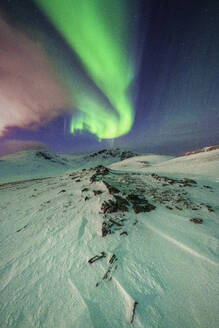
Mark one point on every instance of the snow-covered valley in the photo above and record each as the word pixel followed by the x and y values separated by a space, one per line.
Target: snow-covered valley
pixel 113 244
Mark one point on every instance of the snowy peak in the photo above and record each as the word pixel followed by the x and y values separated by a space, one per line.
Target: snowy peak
pixel 202 150
pixel 50 157
pixel 117 154
pixel 31 164
pixel 32 155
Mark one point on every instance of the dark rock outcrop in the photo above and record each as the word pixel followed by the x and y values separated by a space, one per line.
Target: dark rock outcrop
pixel 112 190
pixel 196 221
pixel 140 204
pixel 97 257
pixel 111 206
pixel 100 172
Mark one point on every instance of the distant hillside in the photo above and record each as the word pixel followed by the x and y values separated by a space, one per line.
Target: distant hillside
pixel 38 163
pixel 203 163
pixel 202 150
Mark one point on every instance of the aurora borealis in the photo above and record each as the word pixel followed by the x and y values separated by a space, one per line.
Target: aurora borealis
pixel 96 30
pixel 78 76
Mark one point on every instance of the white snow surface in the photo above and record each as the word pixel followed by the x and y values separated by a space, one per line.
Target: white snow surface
pixel 201 164
pixel 51 226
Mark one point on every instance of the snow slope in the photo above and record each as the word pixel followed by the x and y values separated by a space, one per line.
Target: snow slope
pixel 31 164
pixel 140 162
pixel 196 165
pixel 154 267
pixel 204 164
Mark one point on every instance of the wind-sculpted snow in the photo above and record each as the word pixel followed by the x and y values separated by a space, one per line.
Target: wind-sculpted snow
pixel 100 248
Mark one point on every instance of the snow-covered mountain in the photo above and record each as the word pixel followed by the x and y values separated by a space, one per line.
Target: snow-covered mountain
pixel 132 244
pixel 202 150
pixel 194 165
pixel 31 164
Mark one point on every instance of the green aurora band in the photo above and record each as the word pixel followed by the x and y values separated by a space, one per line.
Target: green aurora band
pixel 97 31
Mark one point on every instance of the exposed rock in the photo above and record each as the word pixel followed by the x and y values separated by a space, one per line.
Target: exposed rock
pixel 122 203
pixel 97 257
pixel 210 209
pixel 44 155
pixel 185 182
pixel 100 171
pixel 127 154
pixel 147 207
pixel 107 275
pixel 107 153
pixel 110 225
pixel 146 163
pixel 112 190
pixel 97 192
pixel 115 222
pixel 98 153
pixel 49 157
pixel 24 227
pixel 124 233
pixel 113 259
pixel 63 190
pixel 172 198
pixel 133 311
pixel 74 175
pixel 207 187
pixel 112 267
pixel 196 221
pixel 202 150
pixel 136 199
pixel 140 204
pixel 106 228
pixel 110 206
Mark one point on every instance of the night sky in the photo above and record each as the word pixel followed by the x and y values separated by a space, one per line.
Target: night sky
pixel 79 76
